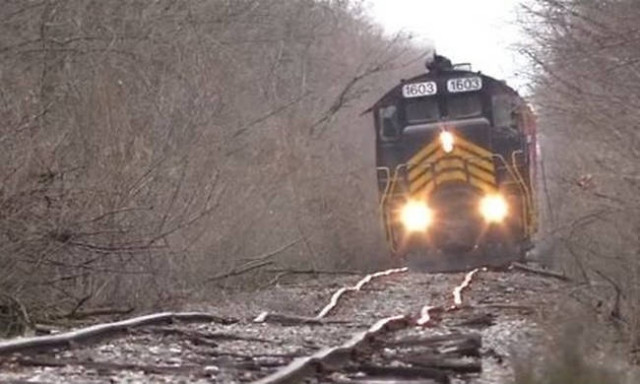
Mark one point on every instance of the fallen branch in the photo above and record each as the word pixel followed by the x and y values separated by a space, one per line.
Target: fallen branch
pixel 440 343
pixel 248 267
pixel 196 370
pixel 97 332
pixel 80 315
pixel 541 272
pixel 444 346
pixel 269 255
pixel 439 375
pixel 333 358
pixel 77 307
pixel 312 271
pixel 198 336
pixel 253 264
pixel 457 365
pixel 288 320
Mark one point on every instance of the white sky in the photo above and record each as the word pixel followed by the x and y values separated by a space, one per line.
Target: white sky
pixel 480 32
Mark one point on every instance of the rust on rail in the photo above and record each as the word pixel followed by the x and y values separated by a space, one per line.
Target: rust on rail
pixel 365 280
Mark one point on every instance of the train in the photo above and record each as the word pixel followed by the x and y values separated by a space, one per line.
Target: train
pixel 456 168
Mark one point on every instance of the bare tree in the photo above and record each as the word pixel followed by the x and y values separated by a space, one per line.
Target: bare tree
pixel 152 145
pixel 587 89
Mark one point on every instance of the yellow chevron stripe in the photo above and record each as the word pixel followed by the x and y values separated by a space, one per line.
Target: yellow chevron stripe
pixel 424 152
pixel 423 179
pixel 472 171
pixel 420 170
pixel 449 162
pixel 462 153
pixel 453 175
pixel 482 174
pixel 424 171
pixel 477 173
pixel 479 170
pixel 421 189
pixel 427 151
pixel 482 152
pixel 424 165
pixel 458 141
pixel 484 164
pixel 454 164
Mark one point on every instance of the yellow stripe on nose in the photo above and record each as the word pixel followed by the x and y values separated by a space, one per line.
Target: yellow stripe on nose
pixel 425 152
pixel 472 147
pixel 467 162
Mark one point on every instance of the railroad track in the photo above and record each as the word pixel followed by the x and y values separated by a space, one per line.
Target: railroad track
pixel 393 326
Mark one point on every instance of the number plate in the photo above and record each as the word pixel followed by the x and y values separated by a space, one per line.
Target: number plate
pixel 464 84
pixel 419 89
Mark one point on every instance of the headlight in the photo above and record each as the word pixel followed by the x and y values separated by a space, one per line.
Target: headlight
pixel 494 208
pixel 416 216
pixel 446 140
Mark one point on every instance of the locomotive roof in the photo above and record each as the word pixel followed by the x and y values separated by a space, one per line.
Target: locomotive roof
pixel 396 91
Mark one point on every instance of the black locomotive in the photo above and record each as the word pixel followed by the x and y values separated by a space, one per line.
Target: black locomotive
pixel 456 157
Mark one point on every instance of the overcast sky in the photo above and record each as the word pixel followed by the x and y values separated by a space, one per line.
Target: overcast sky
pixel 481 32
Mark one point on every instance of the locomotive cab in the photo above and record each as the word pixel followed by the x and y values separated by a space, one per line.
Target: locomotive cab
pixel 455 157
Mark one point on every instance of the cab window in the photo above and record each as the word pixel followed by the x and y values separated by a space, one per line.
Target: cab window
pixel 464 105
pixel 389 122
pixel 422 110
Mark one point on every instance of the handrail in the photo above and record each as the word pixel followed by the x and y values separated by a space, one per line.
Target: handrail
pixel 523 187
pixel 387 172
pixel 388 191
pixel 383 212
pixel 529 194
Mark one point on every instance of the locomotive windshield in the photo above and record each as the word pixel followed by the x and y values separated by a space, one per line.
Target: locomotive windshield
pixel 465 105
pixel 427 109
pixel 422 110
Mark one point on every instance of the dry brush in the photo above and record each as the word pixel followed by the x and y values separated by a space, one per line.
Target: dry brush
pixel 148 146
